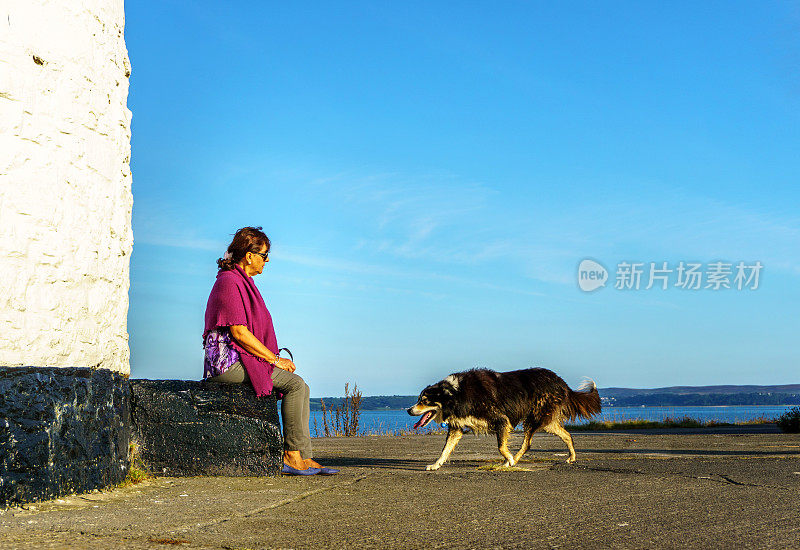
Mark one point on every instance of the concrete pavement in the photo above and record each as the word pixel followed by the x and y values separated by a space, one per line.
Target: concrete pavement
pixel 668 489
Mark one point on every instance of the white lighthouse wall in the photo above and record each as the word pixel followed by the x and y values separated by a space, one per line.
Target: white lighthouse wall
pixel 65 184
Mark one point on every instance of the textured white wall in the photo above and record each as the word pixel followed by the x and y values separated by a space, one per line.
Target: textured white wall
pixel 65 184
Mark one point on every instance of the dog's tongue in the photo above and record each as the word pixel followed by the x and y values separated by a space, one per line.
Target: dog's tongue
pixel 422 420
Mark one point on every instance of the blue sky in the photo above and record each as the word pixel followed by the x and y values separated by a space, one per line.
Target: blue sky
pixel 432 174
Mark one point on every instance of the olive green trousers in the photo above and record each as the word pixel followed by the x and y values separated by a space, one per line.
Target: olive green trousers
pixel 295 410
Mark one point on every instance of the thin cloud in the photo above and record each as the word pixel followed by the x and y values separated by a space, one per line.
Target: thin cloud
pixel 189 243
pixel 441 221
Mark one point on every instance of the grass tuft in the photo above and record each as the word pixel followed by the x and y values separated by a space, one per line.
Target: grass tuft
pixel 638 424
pixel 136 472
pixel 135 475
pixel 668 422
pixel 438 430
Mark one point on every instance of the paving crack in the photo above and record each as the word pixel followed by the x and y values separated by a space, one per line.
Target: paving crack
pixel 263 509
pixel 734 482
pixel 718 478
pixel 729 481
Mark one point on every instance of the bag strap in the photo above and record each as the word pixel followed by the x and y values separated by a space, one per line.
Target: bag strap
pixel 291 357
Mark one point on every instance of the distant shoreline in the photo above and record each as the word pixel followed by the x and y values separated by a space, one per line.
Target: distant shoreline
pixel 674 396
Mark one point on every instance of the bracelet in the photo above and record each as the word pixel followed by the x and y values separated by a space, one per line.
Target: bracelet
pixel 277 360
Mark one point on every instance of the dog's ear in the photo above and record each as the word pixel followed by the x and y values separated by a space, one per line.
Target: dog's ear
pixel 450 385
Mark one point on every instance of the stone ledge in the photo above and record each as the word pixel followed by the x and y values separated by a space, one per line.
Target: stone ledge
pixel 192 428
pixel 62 430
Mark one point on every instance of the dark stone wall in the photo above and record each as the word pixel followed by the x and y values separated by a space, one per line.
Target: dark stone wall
pixel 62 430
pixel 66 430
pixel 191 428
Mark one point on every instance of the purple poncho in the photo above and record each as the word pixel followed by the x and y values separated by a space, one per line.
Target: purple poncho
pixel 235 300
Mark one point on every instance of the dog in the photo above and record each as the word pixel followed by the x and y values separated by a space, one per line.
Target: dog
pixel 486 401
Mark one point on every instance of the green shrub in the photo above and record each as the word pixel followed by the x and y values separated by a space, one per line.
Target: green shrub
pixel 789 421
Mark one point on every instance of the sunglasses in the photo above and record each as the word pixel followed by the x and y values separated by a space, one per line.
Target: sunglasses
pixel 264 255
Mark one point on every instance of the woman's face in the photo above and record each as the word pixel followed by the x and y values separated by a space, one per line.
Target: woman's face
pixel 256 262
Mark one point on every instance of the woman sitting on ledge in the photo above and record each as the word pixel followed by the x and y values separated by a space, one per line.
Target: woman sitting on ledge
pixel 241 346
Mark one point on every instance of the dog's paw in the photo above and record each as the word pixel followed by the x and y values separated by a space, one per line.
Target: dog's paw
pixel 508 463
pixel 432 467
pixel 571 460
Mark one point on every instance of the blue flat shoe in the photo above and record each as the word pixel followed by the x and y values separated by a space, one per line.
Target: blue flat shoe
pixel 328 471
pixel 289 471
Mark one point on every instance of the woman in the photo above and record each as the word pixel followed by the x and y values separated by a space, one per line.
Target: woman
pixel 241 347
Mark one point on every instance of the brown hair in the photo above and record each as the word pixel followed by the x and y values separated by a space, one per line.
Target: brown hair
pixel 247 239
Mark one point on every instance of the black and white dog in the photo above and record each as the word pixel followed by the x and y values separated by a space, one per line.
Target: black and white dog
pixel 495 402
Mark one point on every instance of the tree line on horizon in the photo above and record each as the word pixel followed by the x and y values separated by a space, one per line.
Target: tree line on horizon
pixel 704 399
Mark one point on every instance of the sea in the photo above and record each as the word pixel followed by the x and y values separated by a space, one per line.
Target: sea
pixel 393 421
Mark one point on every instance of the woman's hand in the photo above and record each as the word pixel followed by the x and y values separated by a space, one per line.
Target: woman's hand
pixel 285 364
pixel 253 345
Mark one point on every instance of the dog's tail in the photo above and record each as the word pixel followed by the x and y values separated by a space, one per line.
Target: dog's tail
pixel 584 403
